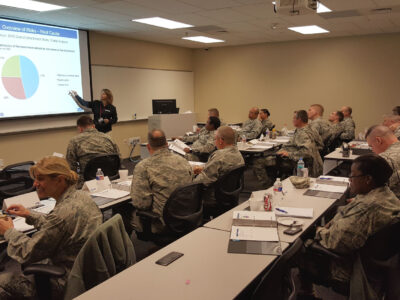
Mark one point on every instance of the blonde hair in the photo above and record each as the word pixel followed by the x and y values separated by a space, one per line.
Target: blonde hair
pixel 54 166
pixel 110 97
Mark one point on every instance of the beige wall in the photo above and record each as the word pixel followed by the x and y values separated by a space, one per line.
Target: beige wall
pixel 104 50
pixel 363 72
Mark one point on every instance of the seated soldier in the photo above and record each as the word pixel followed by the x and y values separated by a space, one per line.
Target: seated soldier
pixel 374 207
pixel 393 122
pixel 86 145
pixel 321 126
pixel 61 233
pixel 349 126
pixel 301 144
pixel 225 158
pixel 265 120
pixel 251 128
pixel 203 142
pixel 213 112
pixel 383 142
pixel 155 178
pixel 335 129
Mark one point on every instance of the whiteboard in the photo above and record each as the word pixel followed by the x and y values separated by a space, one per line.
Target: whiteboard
pixel 134 89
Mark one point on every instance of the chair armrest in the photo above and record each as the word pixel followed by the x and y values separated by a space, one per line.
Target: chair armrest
pixel 43 269
pixel 317 248
pixel 147 214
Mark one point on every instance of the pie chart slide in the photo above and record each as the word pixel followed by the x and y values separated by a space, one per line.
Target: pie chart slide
pixel 20 77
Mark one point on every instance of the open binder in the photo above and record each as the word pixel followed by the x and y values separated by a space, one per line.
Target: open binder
pixel 254 232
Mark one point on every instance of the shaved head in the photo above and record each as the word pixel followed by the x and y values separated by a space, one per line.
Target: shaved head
pixel 157 139
pixel 253 113
pixel 379 138
pixel 227 134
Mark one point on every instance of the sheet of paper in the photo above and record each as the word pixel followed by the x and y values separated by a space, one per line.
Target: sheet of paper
pixel 260 147
pixel 111 193
pixel 20 224
pixel 294 212
pixel 254 215
pixel 28 200
pixel 329 188
pixel 48 206
pixel 196 163
pixel 248 233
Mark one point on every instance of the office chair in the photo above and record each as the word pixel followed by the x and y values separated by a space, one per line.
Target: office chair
pixel 16 170
pixel 107 252
pixel 108 163
pixel 279 281
pixel 15 180
pixel 226 191
pixel 183 212
pixel 380 262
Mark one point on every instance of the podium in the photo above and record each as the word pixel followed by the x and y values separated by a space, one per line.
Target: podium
pixel 172 124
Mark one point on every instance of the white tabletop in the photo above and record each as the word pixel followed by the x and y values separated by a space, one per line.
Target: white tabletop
pixel 293 198
pixel 205 271
pixel 335 158
pixel 337 155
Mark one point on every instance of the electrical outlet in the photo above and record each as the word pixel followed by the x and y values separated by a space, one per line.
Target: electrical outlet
pixel 133 141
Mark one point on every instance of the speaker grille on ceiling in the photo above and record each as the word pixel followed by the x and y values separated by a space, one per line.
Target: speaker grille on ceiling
pixel 209 29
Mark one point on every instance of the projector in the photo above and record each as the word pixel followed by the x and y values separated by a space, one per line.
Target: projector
pixel 296 7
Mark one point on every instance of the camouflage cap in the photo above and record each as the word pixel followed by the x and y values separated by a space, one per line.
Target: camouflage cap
pixel 300 182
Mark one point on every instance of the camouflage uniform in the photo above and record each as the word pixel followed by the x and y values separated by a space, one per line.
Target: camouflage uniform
pixel 335 130
pixel 354 223
pixel 154 179
pixel 218 164
pixel 251 129
pixel 267 123
pixel 392 156
pixel 322 127
pixel 315 137
pixel 304 144
pixel 59 238
pixel 87 145
pixel 203 142
pixel 348 129
pixel 301 144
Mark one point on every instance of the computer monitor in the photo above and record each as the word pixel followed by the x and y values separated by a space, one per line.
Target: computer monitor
pixel 164 106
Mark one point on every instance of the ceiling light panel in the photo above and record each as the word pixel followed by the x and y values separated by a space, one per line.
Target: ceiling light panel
pixel 203 39
pixel 312 29
pixel 161 22
pixel 31 5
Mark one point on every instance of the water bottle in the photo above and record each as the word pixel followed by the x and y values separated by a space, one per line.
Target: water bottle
pixel 99 174
pixel 284 130
pixel 273 133
pixel 244 139
pixel 300 167
pixel 277 192
pixel 267 134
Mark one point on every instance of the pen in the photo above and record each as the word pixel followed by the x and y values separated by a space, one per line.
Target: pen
pixel 281 210
pixel 237 232
pixel 326 178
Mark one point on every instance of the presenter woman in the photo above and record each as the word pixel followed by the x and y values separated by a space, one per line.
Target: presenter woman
pixel 104 113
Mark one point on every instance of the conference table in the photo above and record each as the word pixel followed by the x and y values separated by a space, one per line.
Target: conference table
pixel 206 270
pixel 293 198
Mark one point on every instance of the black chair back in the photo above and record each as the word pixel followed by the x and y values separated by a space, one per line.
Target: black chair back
pixel 228 188
pixel 108 163
pixel 16 170
pixel 278 282
pixel 15 180
pixel 183 211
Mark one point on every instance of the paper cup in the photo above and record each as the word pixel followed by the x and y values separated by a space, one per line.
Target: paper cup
pixel 123 174
pixel 256 204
